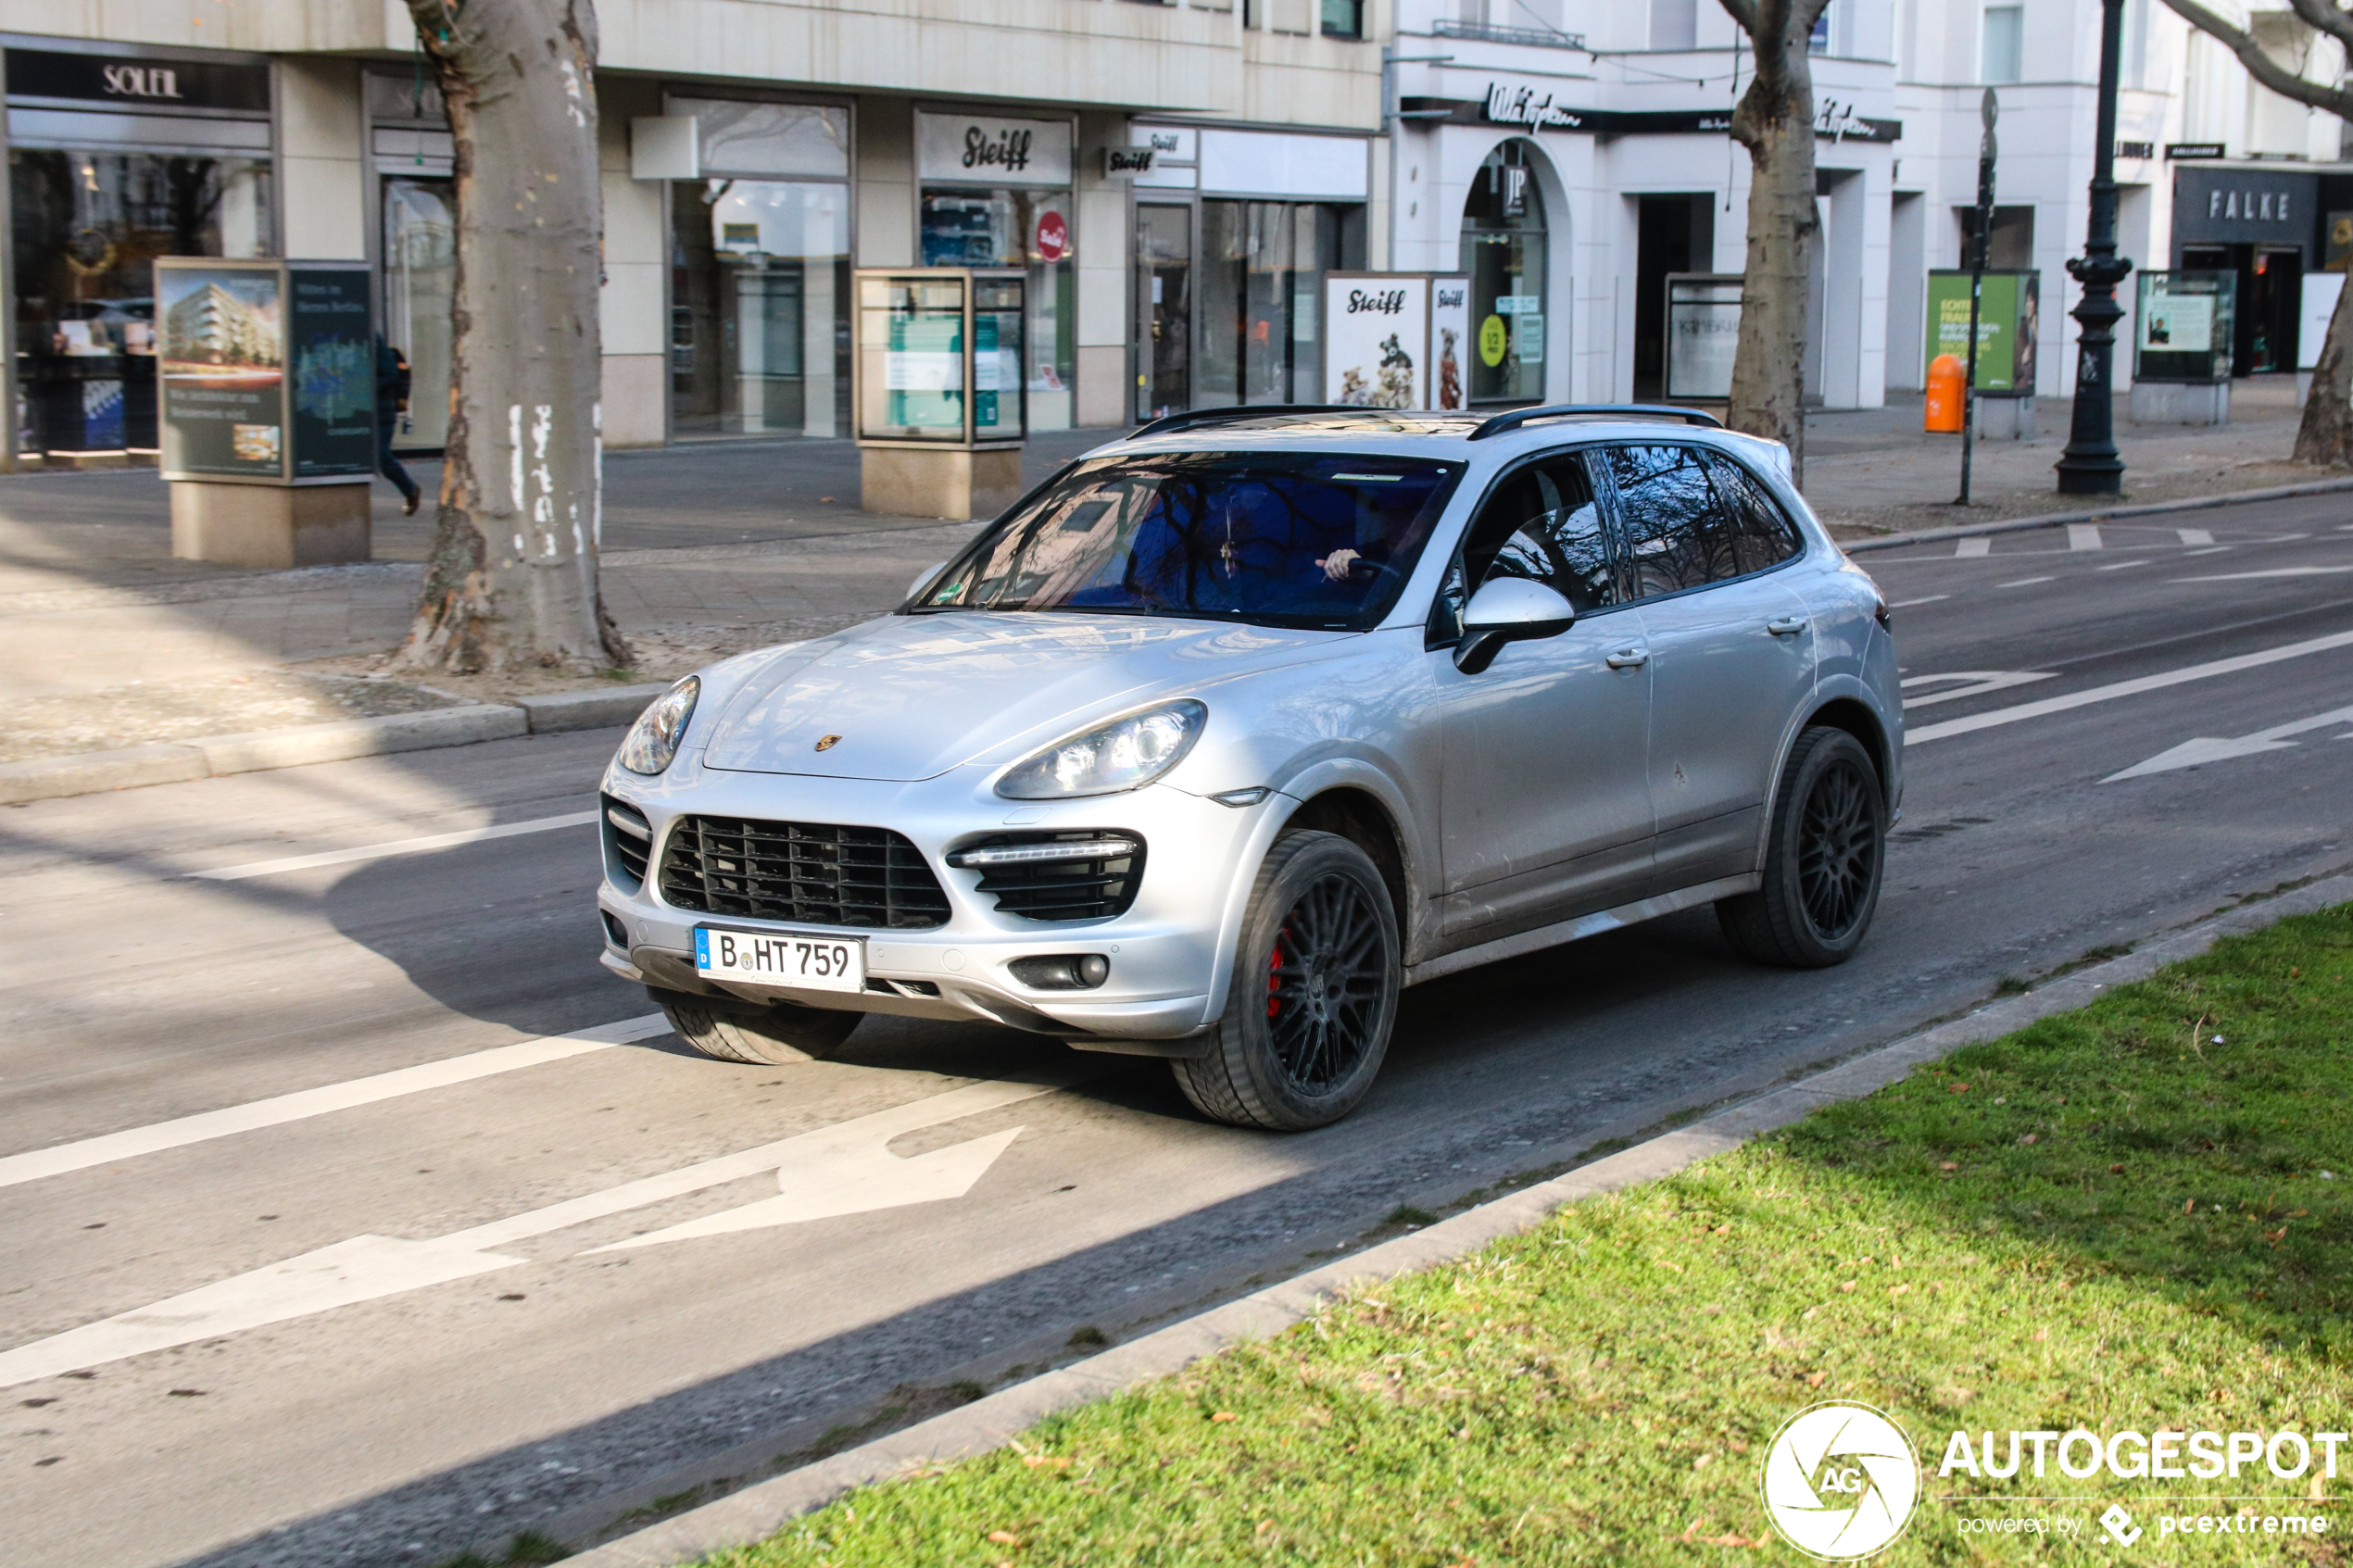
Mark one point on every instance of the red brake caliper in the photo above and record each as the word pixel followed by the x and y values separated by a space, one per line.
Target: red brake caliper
pixel 1274 975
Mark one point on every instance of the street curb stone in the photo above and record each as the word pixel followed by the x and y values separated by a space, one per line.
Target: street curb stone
pixel 608 708
pixel 2095 514
pixel 757 1511
pixel 86 772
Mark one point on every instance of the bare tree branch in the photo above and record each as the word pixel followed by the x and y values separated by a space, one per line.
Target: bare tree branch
pixel 2259 64
pixel 2323 17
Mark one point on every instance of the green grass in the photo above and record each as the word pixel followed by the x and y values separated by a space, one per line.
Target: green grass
pixel 2113 1218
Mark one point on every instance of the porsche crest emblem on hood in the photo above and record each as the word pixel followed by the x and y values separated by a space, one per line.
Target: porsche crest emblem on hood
pixel 826 742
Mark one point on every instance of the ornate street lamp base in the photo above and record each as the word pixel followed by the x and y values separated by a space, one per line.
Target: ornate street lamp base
pixel 2091 475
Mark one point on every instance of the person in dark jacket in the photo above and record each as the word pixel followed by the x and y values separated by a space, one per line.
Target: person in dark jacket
pixel 392 401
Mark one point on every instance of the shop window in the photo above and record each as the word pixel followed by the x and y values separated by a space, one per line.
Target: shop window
pixel 420 289
pixel 86 229
pixel 760 289
pixel 1014 227
pixel 1504 252
pixel 1260 287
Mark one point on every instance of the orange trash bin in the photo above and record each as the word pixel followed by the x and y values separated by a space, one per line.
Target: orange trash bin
pixel 1944 378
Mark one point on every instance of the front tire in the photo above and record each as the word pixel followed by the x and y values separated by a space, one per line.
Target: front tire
pixel 729 1030
pixel 1823 863
pixel 1313 994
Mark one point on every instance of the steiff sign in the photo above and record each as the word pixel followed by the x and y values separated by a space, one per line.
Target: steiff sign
pixel 992 150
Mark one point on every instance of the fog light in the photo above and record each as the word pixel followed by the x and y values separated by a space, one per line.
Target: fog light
pixel 1062 971
pixel 615 933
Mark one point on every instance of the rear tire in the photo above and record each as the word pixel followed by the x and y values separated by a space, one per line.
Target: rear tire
pixel 1313 994
pixel 729 1030
pixel 1824 862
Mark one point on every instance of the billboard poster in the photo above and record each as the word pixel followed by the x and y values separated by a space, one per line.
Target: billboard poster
pixel 1704 334
pixel 2009 321
pixel 331 353
pixel 1376 340
pixel 221 361
pixel 1450 343
pixel 2185 325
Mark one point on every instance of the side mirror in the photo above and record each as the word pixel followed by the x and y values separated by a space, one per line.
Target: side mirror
pixel 923 579
pixel 1508 609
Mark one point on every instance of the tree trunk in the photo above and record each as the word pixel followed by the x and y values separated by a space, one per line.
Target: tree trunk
pixel 2326 435
pixel 513 577
pixel 1775 121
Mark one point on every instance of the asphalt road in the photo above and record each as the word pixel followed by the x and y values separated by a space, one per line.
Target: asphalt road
pixel 513 1375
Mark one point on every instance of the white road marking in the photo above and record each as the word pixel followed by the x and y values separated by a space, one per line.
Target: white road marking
pixel 33 1165
pixel 840 1170
pixel 397 847
pixel 2194 535
pixel 2206 748
pixel 2274 571
pixel 1976 682
pixel 1966 549
pixel 2083 536
pixel 2215 551
pixel 2026 583
pixel 1907 604
pixel 2122 565
pixel 2126 688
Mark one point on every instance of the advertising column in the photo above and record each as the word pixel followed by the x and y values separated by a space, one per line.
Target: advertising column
pixel 267 416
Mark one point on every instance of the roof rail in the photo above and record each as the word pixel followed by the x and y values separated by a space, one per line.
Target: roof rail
pixel 1240 411
pixel 1519 416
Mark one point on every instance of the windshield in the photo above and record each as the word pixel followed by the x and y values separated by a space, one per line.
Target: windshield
pixel 1285 538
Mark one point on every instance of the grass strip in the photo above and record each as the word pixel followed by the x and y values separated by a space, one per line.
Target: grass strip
pixel 2133 1216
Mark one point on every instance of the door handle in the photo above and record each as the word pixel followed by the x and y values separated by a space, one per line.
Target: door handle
pixel 1629 658
pixel 1787 626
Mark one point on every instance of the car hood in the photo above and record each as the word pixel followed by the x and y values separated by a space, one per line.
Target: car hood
pixel 910 696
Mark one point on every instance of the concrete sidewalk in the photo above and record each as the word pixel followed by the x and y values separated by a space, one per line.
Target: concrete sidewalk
pixel 717 547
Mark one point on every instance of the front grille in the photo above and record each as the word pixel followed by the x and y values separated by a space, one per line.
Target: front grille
pixel 811 872
pixel 1094 888
pixel 628 840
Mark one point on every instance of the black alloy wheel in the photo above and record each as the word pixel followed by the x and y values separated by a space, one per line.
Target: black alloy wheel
pixel 1314 997
pixel 1825 858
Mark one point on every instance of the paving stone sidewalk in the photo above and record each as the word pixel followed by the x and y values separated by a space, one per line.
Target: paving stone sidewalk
pixel 713 547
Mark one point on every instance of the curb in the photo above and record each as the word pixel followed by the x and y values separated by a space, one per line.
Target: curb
pixel 751 1515
pixel 339 740
pixel 2098 514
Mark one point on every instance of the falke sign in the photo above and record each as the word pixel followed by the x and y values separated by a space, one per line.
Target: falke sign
pixel 989 150
pixel 143 84
pixel 2237 205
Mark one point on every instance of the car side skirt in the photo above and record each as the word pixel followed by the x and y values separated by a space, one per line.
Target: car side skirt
pixel 1584 926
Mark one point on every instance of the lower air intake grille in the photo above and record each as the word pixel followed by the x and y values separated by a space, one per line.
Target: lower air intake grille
pixel 629 839
pixel 1093 885
pixel 811 872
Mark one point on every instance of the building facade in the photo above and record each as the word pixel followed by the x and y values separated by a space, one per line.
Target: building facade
pixel 1176 180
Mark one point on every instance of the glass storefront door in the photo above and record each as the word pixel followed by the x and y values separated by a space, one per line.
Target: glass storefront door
pixel 1503 252
pixel 760 299
pixel 1164 308
pixel 420 283
pixel 87 226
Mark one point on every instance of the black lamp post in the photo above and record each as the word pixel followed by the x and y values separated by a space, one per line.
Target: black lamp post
pixel 2091 466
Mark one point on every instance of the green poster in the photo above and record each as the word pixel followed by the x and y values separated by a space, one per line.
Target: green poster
pixel 2008 323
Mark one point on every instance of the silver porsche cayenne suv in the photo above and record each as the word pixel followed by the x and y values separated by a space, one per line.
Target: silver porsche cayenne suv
pixel 1235 727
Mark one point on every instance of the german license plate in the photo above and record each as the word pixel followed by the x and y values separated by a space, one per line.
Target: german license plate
pixel 804 963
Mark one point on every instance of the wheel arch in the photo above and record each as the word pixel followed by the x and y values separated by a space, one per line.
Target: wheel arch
pixel 1364 819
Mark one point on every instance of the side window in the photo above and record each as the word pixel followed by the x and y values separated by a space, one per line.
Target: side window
pixel 1541 523
pixel 1762 535
pixel 1666 518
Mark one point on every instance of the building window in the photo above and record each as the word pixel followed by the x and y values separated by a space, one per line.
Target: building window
pixel 1819 40
pixel 1674 24
pixel 2004 55
pixel 1343 19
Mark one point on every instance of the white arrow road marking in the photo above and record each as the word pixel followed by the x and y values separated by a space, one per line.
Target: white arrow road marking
pixel 33 1164
pixel 1999 716
pixel 2206 748
pixel 1975 682
pixel 367 1268
pixel 2275 572
pixel 396 846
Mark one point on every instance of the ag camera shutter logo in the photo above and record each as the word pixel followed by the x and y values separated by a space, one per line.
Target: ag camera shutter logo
pixel 1841 1481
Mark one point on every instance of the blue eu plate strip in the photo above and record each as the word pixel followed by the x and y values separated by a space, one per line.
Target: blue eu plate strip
pixel 702 949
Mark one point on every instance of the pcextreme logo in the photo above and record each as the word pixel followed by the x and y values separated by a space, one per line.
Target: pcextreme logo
pixel 1841 1481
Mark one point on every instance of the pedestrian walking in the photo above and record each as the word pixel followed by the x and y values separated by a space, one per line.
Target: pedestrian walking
pixel 392 401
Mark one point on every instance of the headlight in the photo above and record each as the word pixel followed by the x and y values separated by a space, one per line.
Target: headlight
pixel 653 740
pixel 1125 754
